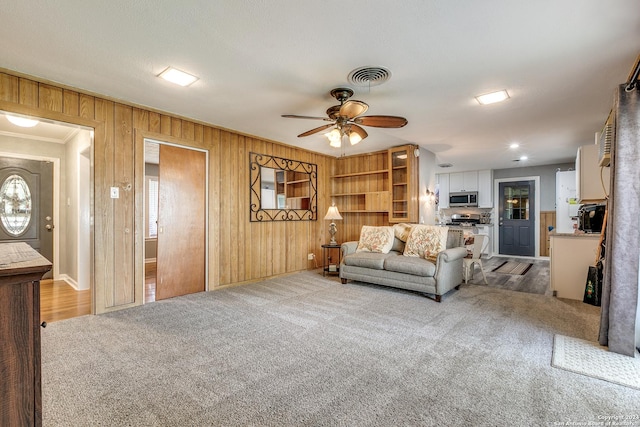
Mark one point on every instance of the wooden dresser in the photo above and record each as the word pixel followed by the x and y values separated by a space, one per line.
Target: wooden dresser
pixel 21 269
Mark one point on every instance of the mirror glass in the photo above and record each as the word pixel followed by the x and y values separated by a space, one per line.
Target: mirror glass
pixel 282 189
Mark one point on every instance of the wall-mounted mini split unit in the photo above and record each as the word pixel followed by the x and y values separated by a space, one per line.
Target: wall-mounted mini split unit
pixel 605 140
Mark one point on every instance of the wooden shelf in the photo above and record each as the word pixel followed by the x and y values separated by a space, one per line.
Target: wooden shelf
pixel 364 211
pixel 300 181
pixel 399 167
pixel 348 175
pixel 399 183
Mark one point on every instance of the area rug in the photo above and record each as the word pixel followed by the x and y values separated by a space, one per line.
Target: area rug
pixel 593 360
pixel 513 267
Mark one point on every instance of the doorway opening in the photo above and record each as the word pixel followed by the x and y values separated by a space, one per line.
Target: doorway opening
pixel 518 230
pixel 60 197
pixel 175 220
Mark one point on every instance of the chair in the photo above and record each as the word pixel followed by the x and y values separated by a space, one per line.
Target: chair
pixel 479 243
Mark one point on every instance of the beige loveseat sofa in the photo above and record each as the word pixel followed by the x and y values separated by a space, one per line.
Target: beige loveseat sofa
pixel 413 273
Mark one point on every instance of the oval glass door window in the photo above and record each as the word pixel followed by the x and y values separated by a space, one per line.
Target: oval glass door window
pixel 15 205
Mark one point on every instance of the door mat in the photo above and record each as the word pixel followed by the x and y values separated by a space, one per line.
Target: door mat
pixel 513 267
pixel 593 360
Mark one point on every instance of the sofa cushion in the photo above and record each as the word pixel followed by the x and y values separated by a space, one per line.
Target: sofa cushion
pixel 372 260
pixel 410 265
pixel 375 239
pixel 425 241
pixel 402 231
pixel 398 245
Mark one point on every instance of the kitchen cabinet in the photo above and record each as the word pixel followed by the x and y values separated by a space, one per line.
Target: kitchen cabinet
pixel 443 189
pixel 485 189
pixel 589 186
pixel 403 174
pixel 463 181
pixel 571 255
pixel 20 380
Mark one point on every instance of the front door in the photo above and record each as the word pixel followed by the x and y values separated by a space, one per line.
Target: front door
pixel 516 218
pixel 26 204
pixel 180 255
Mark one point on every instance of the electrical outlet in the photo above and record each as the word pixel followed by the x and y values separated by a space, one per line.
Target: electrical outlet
pixel 311 257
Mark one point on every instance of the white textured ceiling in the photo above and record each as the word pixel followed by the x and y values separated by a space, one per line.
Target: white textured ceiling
pixel 559 59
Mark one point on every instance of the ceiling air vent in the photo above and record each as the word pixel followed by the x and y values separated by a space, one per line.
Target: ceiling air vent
pixel 369 76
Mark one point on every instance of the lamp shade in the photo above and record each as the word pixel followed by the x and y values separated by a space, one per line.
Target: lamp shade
pixel 333 213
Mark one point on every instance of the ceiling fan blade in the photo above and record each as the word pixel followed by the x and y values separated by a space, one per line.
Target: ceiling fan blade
pixel 293 116
pixel 381 121
pixel 353 108
pixel 316 130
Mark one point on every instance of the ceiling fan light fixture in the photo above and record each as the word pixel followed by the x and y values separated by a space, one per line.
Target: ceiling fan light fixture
pixel 23 122
pixel 354 138
pixel 178 77
pixel 493 97
pixel 334 137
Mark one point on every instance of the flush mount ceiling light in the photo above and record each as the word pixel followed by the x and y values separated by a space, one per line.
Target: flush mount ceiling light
pixel 22 121
pixel 492 98
pixel 514 145
pixel 178 77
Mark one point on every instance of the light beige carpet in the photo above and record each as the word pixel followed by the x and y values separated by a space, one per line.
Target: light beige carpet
pixel 593 360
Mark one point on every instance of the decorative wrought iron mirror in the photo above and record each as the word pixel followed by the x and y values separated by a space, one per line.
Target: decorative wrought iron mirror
pixel 282 189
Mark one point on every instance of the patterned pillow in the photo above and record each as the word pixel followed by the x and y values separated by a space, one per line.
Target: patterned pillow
pixel 425 241
pixel 402 231
pixel 375 239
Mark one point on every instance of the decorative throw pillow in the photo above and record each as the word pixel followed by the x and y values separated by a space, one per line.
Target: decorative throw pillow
pixel 375 239
pixel 402 231
pixel 426 241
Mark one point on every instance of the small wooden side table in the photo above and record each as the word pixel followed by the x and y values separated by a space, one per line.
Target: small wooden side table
pixel 326 259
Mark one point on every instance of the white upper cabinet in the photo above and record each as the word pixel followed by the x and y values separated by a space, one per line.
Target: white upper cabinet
pixel 463 181
pixel 485 189
pixel 443 189
pixel 590 188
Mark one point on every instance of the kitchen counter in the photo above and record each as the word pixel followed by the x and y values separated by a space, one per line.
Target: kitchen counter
pixel 577 235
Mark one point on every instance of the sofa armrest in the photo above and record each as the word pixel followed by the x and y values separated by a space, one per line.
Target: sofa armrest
pixel 449 269
pixel 348 248
pixel 452 254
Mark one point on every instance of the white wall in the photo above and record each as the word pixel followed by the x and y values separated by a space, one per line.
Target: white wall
pixel 75 236
pixel 427 169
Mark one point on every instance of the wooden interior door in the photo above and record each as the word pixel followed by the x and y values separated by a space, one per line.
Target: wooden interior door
pixel 181 222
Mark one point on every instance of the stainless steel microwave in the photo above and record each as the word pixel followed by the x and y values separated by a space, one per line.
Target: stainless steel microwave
pixel 466 199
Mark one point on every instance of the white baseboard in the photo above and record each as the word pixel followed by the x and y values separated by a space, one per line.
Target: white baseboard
pixel 70 282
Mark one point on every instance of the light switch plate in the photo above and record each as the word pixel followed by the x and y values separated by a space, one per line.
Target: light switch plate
pixel 115 193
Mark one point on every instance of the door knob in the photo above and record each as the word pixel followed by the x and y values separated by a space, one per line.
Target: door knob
pixel 43 324
pixel 49 227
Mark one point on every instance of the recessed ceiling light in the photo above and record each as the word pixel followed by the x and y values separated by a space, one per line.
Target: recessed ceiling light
pixel 493 97
pixel 445 165
pixel 178 77
pixel 22 121
pixel 523 157
pixel 514 145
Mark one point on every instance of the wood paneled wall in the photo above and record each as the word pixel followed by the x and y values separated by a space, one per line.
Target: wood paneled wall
pixel 239 250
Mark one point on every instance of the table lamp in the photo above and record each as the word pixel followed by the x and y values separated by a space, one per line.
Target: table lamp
pixel 333 214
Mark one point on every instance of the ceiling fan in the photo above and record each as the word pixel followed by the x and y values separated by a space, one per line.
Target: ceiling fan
pixel 346 119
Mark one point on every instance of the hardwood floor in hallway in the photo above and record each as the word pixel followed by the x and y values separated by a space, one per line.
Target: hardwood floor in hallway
pixel 59 301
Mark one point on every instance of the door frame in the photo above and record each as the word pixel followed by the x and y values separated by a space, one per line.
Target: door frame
pixel 140 138
pixel 536 213
pixel 56 203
